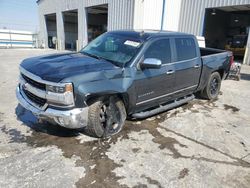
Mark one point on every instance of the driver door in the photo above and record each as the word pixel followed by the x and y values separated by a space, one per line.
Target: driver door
pixel 154 85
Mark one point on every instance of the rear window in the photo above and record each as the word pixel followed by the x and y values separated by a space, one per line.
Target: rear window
pixel 185 48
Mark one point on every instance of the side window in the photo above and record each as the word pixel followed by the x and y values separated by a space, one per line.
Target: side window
pixel 185 48
pixel 159 49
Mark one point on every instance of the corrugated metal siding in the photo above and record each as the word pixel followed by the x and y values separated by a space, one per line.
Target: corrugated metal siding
pixel 52 6
pixel 192 13
pixel 152 14
pixel 138 14
pixel 172 15
pixel 90 3
pixel 192 16
pixel 120 16
pixel 148 14
pixel 120 12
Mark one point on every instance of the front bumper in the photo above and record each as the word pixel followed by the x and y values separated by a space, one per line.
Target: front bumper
pixel 73 119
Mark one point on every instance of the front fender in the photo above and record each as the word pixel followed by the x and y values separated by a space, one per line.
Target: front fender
pixel 96 84
pixel 105 87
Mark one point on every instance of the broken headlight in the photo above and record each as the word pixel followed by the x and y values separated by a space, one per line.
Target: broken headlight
pixel 61 95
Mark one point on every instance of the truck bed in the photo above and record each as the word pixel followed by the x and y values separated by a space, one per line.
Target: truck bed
pixel 214 60
pixel 216 57
pixel 211 51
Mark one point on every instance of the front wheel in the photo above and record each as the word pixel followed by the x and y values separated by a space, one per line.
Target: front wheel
pixel 212 89
pixel 106 117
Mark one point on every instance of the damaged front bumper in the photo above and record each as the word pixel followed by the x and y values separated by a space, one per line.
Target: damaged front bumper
pixel 72 119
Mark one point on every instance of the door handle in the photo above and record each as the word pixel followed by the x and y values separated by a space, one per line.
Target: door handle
pixel 170 72
pixel 197 66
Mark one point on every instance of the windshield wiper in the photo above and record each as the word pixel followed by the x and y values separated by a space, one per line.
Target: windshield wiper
pixel 101 58
pixel 113 62
pixel 92 55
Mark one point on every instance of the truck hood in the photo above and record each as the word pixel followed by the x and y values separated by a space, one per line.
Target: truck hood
pixel 57 67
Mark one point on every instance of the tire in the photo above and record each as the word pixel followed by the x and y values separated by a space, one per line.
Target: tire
pixel 212 89
pixel 106 117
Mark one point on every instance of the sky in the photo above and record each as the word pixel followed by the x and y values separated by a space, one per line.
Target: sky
pixel 19 15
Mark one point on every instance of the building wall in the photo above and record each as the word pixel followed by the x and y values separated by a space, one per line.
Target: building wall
pixel 172 15
pixel 192 16
pixel 138 14
pixel 192 13
pixel 180 15
pixel 120 16
pixel 148 14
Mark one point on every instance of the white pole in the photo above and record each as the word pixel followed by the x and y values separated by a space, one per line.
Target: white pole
pixel 247 52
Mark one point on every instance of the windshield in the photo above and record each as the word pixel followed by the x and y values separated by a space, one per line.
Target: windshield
pixel 114 48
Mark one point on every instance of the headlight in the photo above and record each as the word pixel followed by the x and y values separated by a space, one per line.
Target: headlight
pixel 60 89
pixel 60 96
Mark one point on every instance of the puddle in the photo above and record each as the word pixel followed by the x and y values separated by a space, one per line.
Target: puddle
pixel 1 116
pixel 229 107
pixel 92 153
pixel 192 106
pixel 99 168
pixel 183 173
pixel 152 181
pixel 15 135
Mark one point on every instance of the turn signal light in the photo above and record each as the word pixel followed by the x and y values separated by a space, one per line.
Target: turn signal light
pixel 68 87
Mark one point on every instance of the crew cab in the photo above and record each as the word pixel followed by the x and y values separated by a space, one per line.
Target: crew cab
pixel 120 74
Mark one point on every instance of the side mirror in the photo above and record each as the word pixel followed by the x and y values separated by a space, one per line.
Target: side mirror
pixel 151 63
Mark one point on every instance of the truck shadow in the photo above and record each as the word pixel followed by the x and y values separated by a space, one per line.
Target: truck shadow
pixel 28 119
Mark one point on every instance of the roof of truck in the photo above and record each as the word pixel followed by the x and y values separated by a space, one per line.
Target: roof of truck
pixel 146 34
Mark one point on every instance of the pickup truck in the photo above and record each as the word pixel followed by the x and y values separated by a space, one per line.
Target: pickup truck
pixel 120 74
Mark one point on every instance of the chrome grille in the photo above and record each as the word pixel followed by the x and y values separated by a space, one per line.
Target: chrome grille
pixel 34 83
pixel 37 100
pixel 33 90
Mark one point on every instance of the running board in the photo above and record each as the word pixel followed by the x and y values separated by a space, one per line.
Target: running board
pixel 162 108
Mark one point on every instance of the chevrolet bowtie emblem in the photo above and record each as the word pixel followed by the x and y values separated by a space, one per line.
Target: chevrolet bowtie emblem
pixel 25 86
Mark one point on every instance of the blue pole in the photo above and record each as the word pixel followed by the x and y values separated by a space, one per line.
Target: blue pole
pixel 163 13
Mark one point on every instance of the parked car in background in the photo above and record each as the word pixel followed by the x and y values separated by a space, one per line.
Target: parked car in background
pixel 120 74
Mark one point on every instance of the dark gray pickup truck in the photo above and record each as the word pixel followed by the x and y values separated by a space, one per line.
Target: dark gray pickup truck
pixel 120 74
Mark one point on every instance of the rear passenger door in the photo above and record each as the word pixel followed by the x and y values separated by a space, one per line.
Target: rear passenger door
pixel 154 85
pixel 187 65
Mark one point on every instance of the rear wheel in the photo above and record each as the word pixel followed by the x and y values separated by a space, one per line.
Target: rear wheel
pixel 106 117
pixel 211 91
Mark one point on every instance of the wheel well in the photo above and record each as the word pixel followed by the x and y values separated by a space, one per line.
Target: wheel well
pixel 221 72
pixel 125 99
pixel 122 96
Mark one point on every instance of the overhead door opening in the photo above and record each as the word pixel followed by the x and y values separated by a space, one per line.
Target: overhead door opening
pixel 97 20
pixel 51 30
pixel 227 28
pixel 70 21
